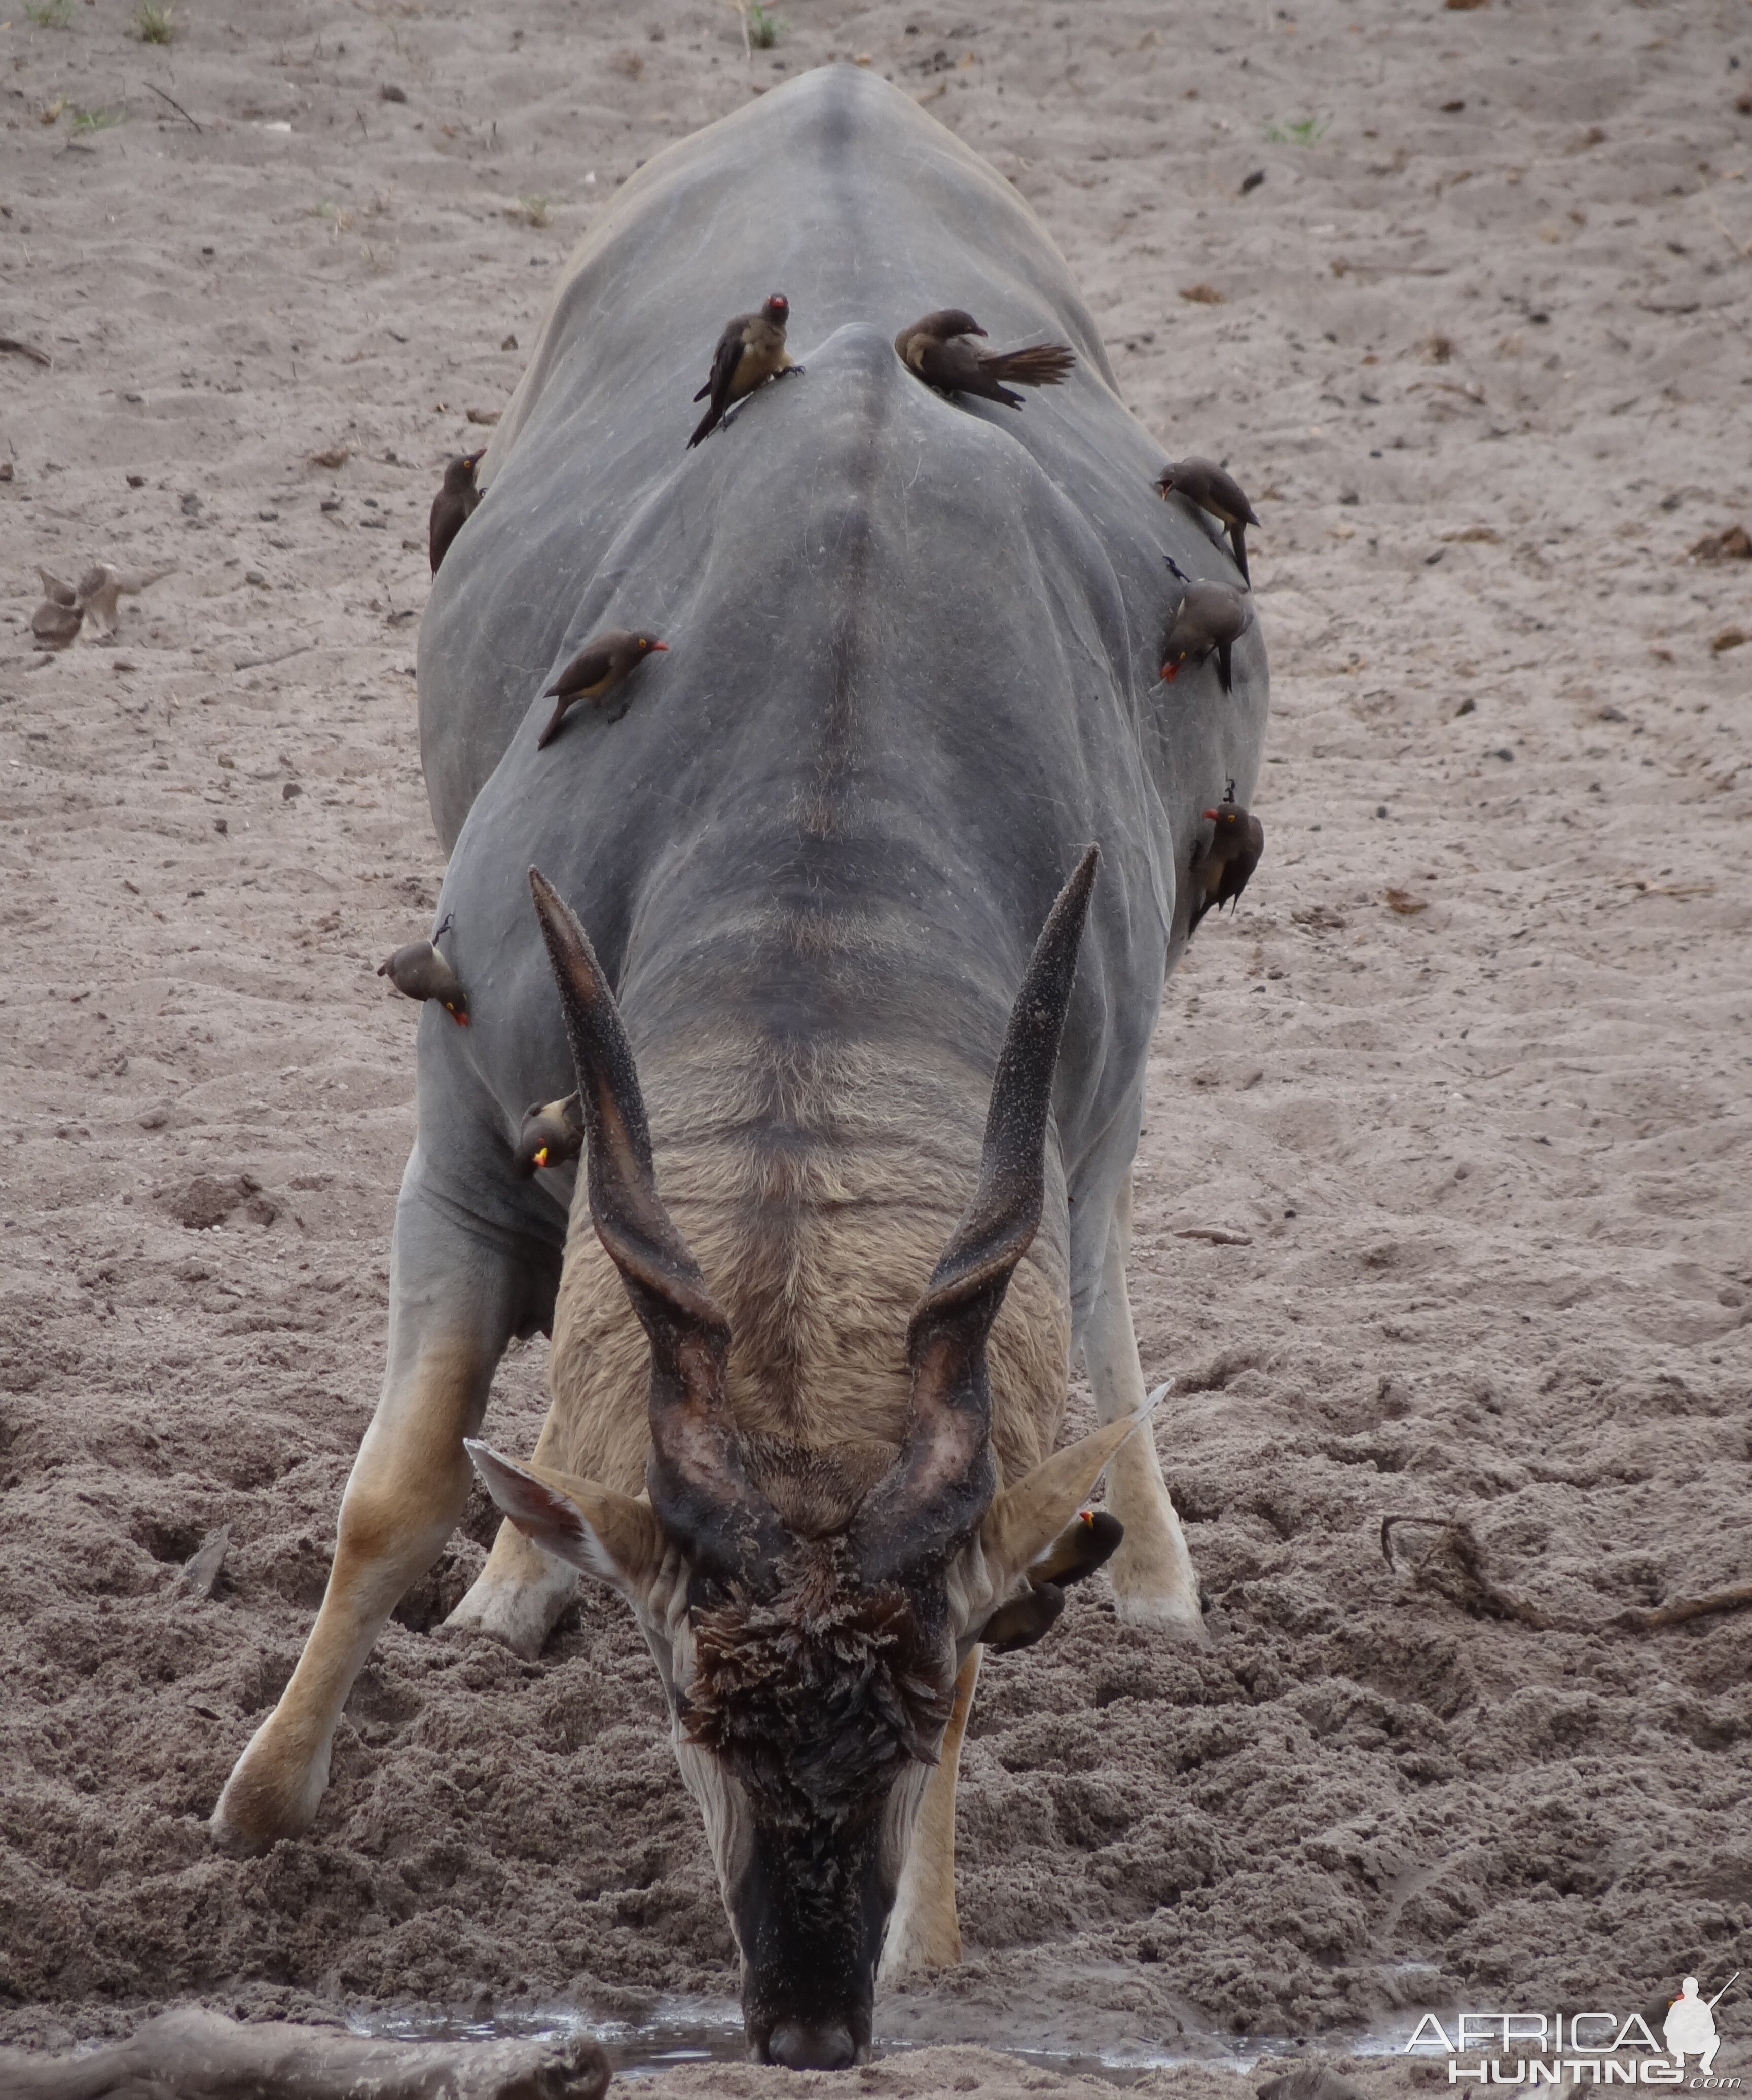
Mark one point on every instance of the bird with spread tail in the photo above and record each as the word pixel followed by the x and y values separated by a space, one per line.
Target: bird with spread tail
pixel 551 1135
pixel 1214 489
pixel 419 972
pixel 593 673
pixel 1210 617
pixel 942 350
pixel 1221 870
pixel 453 505
pixel 750 351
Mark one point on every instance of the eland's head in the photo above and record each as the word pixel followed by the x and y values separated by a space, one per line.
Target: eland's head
pixel 810 1674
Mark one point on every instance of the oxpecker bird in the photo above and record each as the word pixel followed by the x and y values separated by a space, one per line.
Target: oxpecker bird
pixel 750 351
pixel 593 673
pixel 1085 1546
pixel 551 1135
pixel 1210 616
pixel 1220 871
pixel 453 506
pixel 942 350
pixel 1212 488
pixel 420 971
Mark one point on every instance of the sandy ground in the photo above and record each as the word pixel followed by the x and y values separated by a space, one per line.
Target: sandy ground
pixel 1469 1071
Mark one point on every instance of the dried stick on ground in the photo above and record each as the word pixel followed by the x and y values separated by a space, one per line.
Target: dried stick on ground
pixel 176 105
pixel 1676 1610
pixel 1454 1568
pixel 201 2056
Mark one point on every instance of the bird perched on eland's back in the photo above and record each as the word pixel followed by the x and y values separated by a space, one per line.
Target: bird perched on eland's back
pixel 593 673
pixel 940 349
pixel 750 351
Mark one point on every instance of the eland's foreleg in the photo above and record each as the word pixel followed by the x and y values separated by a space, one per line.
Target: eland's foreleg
pixel 1153 1579
pixel 520 1593
pixel 924 1931
pixel 457 1293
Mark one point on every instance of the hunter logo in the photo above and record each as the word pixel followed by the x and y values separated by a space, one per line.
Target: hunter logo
pixel 1690 2027
pixel 1595 2048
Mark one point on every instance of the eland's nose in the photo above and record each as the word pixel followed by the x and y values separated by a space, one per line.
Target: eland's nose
pixel 828 2047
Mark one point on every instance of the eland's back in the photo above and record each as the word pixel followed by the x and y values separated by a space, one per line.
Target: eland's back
pixel 912 641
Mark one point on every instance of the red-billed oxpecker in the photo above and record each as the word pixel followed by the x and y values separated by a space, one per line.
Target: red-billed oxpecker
pixel 1212 488
pixel 1090 1543
pixel 552 1135
pixel 1210 616
pixel 750 351
pixel 1221 870
pixel 419 972
pixel 942 350
pixel 453 506
pixel 593 673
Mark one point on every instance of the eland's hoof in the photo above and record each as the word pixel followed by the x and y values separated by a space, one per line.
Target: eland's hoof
pixel 269 1796
pixel 1163 1615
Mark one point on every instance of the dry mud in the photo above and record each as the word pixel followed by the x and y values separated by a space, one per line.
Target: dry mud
pixel 1469 1070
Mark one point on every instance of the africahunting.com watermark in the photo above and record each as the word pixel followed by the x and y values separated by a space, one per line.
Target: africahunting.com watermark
pixel 1594 2048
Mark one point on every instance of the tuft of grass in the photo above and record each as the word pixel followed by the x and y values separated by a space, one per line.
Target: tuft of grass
pixel 51 14
pixel 532 211
pixel 88 120
pixel 763 26
pixel 1300 131
pixel 152 23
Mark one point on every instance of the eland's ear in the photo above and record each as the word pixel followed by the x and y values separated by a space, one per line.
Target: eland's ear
pixel 608 1535
pixel 1028 1518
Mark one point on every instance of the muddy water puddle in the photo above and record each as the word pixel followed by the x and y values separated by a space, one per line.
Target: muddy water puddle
pixel 684 2031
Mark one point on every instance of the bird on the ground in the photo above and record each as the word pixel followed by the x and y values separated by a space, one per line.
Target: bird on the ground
pixel 593 673
pixel 1212 488
pixel 940 349
pixel 420 971
pixel 453 506
pixel 58 619
pixel 750 351
pixel 1210 616
pixel 1221 870
pixel 551 1135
